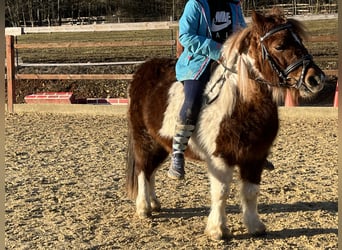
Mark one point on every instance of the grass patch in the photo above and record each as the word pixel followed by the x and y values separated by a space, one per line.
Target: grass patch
pixel 96 54
pixel 327 50
pixel 321 27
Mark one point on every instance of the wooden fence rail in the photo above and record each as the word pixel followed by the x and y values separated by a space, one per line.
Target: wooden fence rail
pixel 94 44
pixel 12 76
pixel 75 76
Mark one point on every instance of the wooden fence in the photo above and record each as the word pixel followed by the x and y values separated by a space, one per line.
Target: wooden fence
pixel 11 47
pixel 12 76
pixel 294 8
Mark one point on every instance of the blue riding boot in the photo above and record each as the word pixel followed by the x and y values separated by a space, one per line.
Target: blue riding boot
pixel 179 144
pixel 176 170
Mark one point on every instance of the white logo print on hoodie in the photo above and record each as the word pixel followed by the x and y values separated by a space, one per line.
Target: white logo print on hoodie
pixel 221 21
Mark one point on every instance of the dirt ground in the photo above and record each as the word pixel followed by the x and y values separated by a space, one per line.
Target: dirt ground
pixel 65 189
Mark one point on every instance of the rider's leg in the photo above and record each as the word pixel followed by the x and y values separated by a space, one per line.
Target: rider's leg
pixel 193 92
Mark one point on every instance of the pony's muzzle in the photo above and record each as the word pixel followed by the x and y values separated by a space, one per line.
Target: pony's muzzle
pixel 314 79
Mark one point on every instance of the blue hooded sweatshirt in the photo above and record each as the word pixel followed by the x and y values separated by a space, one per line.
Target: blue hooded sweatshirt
pixel 196 38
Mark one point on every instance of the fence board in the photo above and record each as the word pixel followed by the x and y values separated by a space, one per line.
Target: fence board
pixel 78 64
pixel 326 38
pixel 95 44
pixel 75 76
pixel 333 72
pixel 96 76
pixel 101 27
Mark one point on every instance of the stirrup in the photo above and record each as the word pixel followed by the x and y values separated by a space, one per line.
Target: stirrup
pixel 176 170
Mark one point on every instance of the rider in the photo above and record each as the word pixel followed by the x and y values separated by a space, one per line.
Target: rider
pixel 203 27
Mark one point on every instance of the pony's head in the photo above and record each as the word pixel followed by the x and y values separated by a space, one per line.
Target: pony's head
pixel 272 52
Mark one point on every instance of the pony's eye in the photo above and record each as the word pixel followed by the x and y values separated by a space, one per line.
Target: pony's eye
pixel 280 47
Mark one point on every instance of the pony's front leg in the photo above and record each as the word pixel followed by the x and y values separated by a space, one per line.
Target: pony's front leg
pixel 220 177
pixel 143 205
pixel 249 197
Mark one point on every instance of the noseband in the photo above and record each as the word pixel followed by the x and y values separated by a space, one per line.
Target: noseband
pixel 283 74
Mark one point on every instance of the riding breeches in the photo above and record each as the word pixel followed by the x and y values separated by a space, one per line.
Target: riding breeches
pixel 193 95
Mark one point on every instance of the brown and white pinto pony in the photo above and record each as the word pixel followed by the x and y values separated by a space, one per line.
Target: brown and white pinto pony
pixel 237 123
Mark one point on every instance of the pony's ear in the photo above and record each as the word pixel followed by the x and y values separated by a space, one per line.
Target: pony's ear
pixel 244 41
pixel 259 20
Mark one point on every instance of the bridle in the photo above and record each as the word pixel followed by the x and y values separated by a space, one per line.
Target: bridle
pixel 283 74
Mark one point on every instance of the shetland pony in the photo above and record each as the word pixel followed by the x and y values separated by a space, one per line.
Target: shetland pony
pixel 238 121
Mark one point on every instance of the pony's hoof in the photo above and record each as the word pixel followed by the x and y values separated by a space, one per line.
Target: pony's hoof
pixel 144 215
pixel 259 231
pixel 218 235
pixel 155 205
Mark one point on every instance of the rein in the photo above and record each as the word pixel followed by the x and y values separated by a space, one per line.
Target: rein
pixel 305 61
pixel 215 90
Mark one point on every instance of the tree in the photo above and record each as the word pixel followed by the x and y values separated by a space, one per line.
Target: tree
pixel 52 12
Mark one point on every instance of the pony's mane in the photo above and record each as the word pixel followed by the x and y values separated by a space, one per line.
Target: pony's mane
pixel 236 52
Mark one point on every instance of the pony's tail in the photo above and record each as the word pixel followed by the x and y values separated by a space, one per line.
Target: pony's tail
pixel 131 176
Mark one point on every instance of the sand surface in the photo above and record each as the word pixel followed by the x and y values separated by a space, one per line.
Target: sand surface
pixel 65 188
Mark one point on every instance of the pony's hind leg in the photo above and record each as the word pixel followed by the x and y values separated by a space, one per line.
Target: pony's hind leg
pixel 147 200
pixel 249 200
pixel 155 204
pixel 143 206
pixel 220 176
